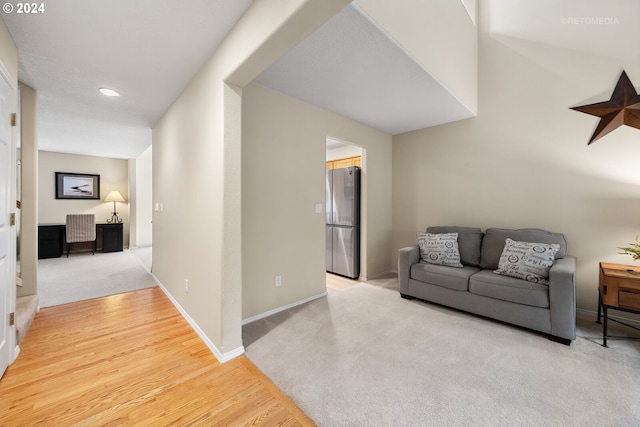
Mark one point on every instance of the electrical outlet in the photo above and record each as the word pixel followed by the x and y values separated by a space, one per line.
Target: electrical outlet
pixel 186 285
pixel 278 281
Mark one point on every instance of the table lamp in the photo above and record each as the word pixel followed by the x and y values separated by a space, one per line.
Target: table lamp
pixel 114 196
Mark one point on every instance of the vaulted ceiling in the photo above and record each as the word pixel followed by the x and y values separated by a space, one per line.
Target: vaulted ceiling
pixel 352 67
pixel 149 50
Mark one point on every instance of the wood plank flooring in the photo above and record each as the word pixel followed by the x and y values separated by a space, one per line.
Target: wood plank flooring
pixel 336 283
pixel 132 359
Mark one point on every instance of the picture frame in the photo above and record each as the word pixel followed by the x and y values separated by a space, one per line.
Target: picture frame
pixel 77 186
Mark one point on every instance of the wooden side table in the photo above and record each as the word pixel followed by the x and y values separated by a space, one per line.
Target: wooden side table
pixel 619 289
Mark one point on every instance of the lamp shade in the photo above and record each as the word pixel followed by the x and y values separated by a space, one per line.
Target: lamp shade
pixel 114 196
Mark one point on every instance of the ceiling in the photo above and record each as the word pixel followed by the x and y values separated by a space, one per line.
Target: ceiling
pixel 607 29
pixel 351 67
pixel 149 50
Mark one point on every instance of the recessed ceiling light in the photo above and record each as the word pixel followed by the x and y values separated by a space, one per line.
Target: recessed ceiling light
pixel 109 92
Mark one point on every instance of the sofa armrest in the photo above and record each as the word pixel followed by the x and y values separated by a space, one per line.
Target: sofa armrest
pixel 406 258
pixel 562 297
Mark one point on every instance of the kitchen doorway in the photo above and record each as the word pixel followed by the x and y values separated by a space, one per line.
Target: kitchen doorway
pixel 339 246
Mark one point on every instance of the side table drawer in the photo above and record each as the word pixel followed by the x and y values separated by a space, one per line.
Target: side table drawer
pixel 630 285
pixel 629 300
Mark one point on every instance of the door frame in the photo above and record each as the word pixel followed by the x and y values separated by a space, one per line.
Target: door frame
pixel 11 192
pixel 363 229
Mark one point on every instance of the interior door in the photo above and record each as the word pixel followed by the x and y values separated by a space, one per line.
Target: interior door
pixel 7 236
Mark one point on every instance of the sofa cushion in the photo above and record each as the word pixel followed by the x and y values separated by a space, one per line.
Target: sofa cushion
pixel 447 277
pixel 495 238
pixel 469 242
pixel 492 285
pixel 527 261
pixel 439 249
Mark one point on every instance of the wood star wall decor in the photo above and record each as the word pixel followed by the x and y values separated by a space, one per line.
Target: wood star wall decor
pixel 622 109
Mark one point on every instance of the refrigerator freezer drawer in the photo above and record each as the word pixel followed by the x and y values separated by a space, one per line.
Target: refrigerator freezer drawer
pixel 346 254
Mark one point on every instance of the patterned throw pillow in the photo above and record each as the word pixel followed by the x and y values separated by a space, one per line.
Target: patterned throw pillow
pixel 439 249
pixel 527 261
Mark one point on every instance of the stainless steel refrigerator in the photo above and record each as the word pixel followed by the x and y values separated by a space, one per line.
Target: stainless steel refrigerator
pixel 342 208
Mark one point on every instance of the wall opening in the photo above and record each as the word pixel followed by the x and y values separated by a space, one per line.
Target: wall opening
pixel 341 154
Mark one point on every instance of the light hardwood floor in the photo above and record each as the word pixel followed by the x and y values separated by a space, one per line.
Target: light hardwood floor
pixel 132 359
pixel 337 283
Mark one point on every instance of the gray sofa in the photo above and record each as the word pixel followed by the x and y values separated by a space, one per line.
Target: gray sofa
pixel 475 288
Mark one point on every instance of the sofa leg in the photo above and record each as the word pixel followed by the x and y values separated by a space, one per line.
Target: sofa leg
pixel 405 296
pixel 559 340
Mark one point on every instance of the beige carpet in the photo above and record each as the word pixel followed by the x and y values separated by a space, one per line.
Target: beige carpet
pixel 366 357
pixel 84 276
pixel 26 308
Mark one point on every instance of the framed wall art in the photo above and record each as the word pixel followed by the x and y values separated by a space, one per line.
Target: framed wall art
pixel 77 186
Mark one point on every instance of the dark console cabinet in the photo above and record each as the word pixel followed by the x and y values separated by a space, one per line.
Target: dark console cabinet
pixel 111 237
pixel 51 239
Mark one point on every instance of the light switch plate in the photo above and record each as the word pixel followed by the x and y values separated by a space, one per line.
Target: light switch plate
pixel 318 208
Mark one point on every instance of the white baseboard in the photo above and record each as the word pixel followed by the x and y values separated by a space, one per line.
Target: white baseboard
pixel 222 357
pixel 283 308
pixel 594 314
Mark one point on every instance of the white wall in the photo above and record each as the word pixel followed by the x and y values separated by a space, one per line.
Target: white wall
pixel 114 175
pixel 343 152
pixel 524 161
pixel 141 202
pixel 439 35
pixel 283 177
pixel 197 170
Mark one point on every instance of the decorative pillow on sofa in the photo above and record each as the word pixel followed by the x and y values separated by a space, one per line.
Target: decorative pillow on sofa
pixel 527 261
pixel 439 249
pixel 469 242
pixel 494 238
